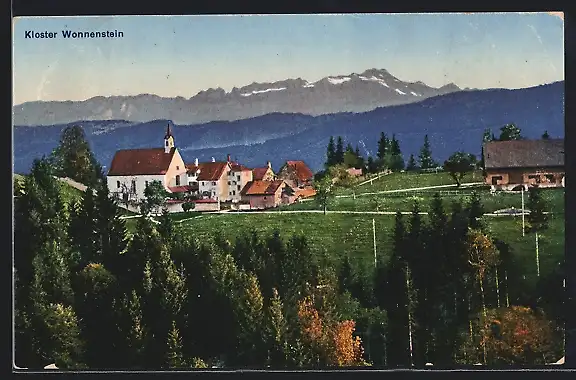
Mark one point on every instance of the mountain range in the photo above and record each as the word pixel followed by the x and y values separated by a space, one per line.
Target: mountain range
pixel 343 93
pixel 453 121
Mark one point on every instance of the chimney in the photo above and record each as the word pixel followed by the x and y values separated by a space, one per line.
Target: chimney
pixel 228 158
pixel 269 165
pixel 196 161
pixel 213 159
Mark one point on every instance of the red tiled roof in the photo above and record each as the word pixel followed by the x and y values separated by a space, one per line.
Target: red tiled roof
pixel 209 171
pixel 180 189
pixel 141 161
pixel 261 187
pixel 236 167
pixel 259 173
pixel 305 193
pixel 302 171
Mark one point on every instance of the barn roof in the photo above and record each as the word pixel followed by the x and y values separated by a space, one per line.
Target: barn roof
pixel 151 161
pixel 261 187
pixel 524 153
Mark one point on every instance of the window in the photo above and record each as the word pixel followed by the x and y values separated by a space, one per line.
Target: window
pixel 190 183
pixel 146 183
pixel 238 177
pixel 166 142
pixel 213 183
pixel 233 192
pixel 550 177
pixel 117 184
pixel 238 187
pixel 228 182
pixel 495 179
pixel 229 193
pixel 133 186
pixel 177 180
pixel 177 167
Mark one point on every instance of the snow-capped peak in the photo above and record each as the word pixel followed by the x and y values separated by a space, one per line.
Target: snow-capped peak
pixel 262 91
pixel 374 79
pixel 339 80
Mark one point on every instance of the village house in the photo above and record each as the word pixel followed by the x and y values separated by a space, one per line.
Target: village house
pixel 266 194
pixel 508 164
pixel 296 174
pixel 210 179
pixel 239 175
pixel 132 170
pixel 264 174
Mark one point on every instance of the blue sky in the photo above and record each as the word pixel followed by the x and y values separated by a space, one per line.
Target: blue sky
pixel 181 55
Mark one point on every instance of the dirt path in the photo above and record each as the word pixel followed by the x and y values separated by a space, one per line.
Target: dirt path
pixel 411 189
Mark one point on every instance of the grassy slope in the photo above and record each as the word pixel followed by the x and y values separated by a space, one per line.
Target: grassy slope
pixel 396 181
pixel 404 201
pixel 338 234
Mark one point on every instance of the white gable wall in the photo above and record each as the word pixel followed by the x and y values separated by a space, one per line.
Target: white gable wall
pixel 127 182
pixel 177 167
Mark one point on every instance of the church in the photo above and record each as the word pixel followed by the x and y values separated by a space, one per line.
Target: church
pixel 132 170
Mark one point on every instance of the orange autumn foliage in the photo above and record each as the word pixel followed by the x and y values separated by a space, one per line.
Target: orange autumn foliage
pixel 334 342
pixel 518 335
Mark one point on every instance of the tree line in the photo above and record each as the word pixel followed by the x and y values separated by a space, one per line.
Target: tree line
pixel 388 156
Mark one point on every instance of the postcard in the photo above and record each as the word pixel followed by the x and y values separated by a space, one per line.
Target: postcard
pixel 288 192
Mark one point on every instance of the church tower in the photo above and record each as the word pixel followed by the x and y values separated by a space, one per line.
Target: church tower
pixel 168 140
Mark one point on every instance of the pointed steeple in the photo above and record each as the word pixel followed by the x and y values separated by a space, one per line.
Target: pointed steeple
pixel 168 139
pixel 168 131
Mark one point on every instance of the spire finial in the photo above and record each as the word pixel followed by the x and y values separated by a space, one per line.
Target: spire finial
pixel 168 130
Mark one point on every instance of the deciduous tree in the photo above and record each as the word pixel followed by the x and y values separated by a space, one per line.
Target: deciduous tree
pixel 458 164
pixel 74 159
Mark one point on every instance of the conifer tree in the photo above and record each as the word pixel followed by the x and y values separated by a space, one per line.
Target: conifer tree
pixel 250 318
pixel 82 230
pixel 370 165
pixel 112 233
pixel 396 160
pixel 345 275
pixel 277 330
pixel 174 353
pixel 425 157
pixel 382 146
pixel 95 293
pixel 339 154
pixel 135 331
pixel 411 166
pixel 330 153
pixel 396 301
pixel 537 219
pixel 475 212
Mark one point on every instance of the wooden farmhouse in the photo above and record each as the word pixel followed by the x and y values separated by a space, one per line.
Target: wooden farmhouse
pixel 509 164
